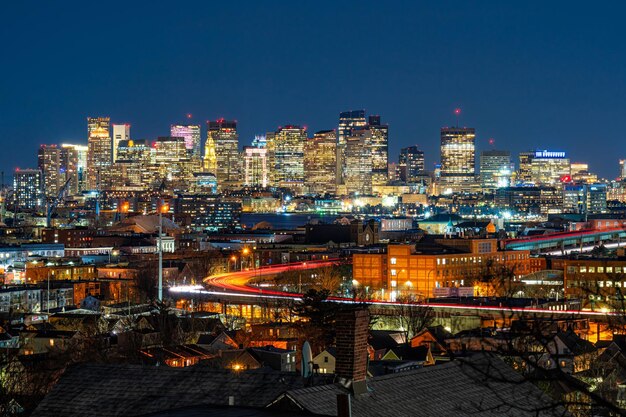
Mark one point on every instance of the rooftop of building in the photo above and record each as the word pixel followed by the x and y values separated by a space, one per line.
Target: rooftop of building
pixel 482 385
pixel 101 390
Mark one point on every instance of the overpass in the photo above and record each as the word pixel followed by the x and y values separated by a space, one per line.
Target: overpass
pixel 236 288
pixel 568 241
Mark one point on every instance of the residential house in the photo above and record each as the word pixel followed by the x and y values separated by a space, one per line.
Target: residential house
pixel 324 363
pixel 216 342
pixel 435 338
pixel 278 359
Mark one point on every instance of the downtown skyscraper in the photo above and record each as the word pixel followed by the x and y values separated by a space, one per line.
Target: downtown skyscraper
pixel 285 149
pixel 458 158
pixel 348 120
pixel 99 152
pixel 28 187
pixel 120 132
pixel 365 157
pixel 411 163
pixel 495 169
pixel 221 154
pixel 191 134
pixel 320 161
pixel 74 166
pixel 49 163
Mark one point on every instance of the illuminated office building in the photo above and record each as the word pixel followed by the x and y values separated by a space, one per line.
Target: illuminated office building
pixel 203 183
pixel 120 132
pixel 320 160
pixel 410 164
pixel 221 156
pixel 170 164
pixel 49 163
pixel 209 161
pixel 74 167
pixel 584 198
pixel 358 164
pixel 524 172
pixel 207 212
pixel 550 168
pixel 255 167
pixel 134 150
pixel 191 134
pixel 379 148
pixel 348 120
pixel 28 188
pixel 285 149
pixel 458 165
pixel 99 152
pixel 622 168
pixel 259 141
pixel 530 200
pixel 495 169
pixel 132 167
pixel 580 173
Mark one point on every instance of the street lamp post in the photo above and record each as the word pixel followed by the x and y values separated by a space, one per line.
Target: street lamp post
pixel 160 250
pixel 428 286
pixel 48 302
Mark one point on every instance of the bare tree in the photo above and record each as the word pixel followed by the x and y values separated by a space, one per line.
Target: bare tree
pixel 413 316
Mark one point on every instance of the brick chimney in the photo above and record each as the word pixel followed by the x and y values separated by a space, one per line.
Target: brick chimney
pixel 351 362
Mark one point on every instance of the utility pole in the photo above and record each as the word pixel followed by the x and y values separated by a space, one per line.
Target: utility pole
pixel 160 251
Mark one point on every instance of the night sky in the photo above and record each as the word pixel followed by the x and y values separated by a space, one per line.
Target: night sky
pixel 549 75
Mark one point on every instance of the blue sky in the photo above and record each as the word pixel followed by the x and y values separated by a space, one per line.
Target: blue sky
pixel 549 75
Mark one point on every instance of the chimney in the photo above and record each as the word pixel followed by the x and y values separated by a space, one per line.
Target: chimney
pixel 351 363
pixel 344 405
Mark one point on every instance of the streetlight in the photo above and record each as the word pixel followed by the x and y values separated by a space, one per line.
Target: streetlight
pixel 114 253
pixel 48 302
pixel 163 209
pixel 428 285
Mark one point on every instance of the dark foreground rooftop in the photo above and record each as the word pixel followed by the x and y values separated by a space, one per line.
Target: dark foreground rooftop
pixel 135 390
pixel 481 385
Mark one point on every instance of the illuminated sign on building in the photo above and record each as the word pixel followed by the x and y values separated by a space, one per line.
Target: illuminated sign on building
pixel 549 154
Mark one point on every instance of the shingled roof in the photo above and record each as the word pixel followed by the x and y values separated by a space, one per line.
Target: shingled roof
pixel 134 390
pixel 483 385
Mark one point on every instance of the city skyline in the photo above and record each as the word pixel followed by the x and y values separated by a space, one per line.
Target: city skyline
pixel 522 78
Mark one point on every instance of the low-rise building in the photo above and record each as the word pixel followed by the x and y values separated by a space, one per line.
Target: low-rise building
pixel 422 269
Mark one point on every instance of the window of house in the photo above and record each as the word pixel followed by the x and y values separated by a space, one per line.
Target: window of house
pixel 592 270
pixel 600 270
pixel 325 359
pixel 609 269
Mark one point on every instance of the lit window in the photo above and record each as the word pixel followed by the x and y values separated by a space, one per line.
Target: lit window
pixel 394 284
pixel 393 272
pixel 393 261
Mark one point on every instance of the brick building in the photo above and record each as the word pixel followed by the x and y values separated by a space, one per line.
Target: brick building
pixel 431 266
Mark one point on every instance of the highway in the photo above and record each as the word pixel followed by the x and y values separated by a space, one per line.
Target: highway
pixel 236 284
pixel 237 281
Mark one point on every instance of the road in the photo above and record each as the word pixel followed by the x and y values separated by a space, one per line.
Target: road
pixel 237 281
pixel 236 284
